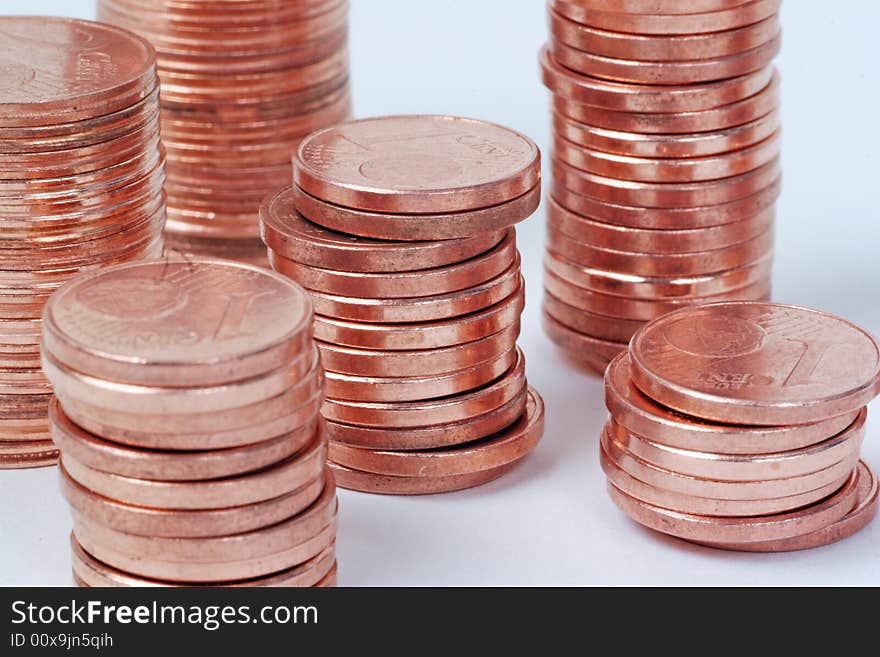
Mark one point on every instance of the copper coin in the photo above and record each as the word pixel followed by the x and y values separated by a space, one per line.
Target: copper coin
pixel 74 134
pixel 176 400
pixel 370 482
pixel 746 529
pixel 215 321
pixel 718 488
pixel 745 467
pixel 12 449
pixel 183 89
pixel 612 329
pixel 145 521
pixel 427 282
pixel 436 436
pixel 89 572
pixel 661 265
pixel 422 309
pixel 418 227
pixel 668 170
pixel 643 416
pixel 667 195
pixel 667 218
pixel 634 286
pixel 756 363
pixel 457 408
pixel 602 351
pixel 292 236
pixel 508 446
pixel 650 240
pixel 691 21
pixel 238 490
pixel 243 425
pixel 642 98
pixel 863 513
pixel 646 47
pixel 318 548
pixel 115 69
pixel 721 117
pixel 660 6
pixel 402 389
pixel 644 309
pixel 40 458
pixel 105 455
pixel 706 506
pixel 683 72
pixel 417 164
pixel 218 549
pixel 643 145
pixel 245 251
pixel 425 335
pixel 417 362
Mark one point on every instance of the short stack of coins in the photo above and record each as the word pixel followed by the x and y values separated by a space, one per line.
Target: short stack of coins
pixel 242 82
pixel 81 175
pixel 187 412
pixel 401 230
pixel 666 141
pixel 738 425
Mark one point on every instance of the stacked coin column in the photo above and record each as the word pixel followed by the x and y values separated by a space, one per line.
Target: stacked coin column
pixel 665 163
pixel 81 186
pixel 401 229
pixel 242 83
pixel 187 412
pixel 739 426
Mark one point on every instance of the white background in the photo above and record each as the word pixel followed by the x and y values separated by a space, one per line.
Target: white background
pixel 550 522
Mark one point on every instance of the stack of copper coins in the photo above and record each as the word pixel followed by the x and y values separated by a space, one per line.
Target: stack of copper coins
pixel 401 229
pixel 242 82
pixel 665 162
pixel 738 425
pixel 81 187
pixel 187 412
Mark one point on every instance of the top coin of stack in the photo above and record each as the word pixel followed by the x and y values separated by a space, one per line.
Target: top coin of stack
pixel 739 424
pixel 187 413
pixel 81 175
pixel 242 83
pixel 401 229
pixel 665 162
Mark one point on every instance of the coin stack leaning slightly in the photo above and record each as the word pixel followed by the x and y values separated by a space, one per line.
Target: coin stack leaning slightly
pixel 401 229
pixel 81 173
pixel 665 163
pixel 242 83
pixel 739 425
pixel 187 412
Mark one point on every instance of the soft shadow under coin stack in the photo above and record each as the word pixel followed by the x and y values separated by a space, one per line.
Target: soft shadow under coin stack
pixel 401 229
pixel 665 163
pixel 242 83
pixel 739 426
pixel 187 412
pixel 81 174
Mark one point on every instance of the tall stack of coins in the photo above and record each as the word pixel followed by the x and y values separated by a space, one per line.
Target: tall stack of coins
pixel 665 162
pixel 401 229
pixel 738 425
pixel 187 412
pixel 81 174
pixel 242 82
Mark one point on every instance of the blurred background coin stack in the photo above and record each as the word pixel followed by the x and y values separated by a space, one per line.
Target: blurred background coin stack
pixel 739 426
pixel 666 141
pixel 242 82
pixel 401 230
pixel 187 413
pixel 81 175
